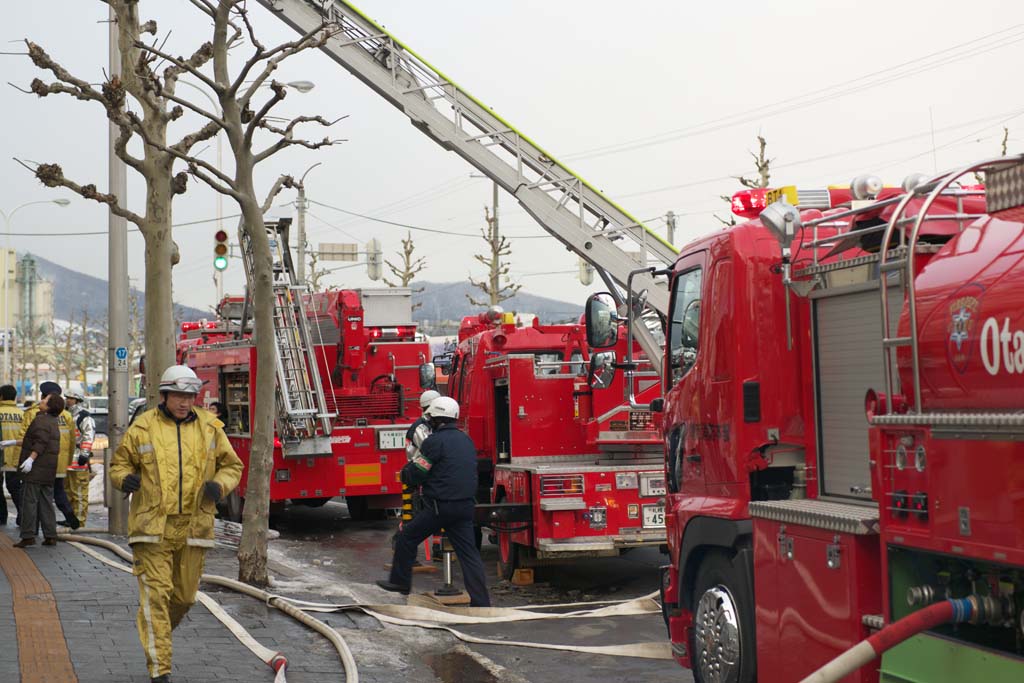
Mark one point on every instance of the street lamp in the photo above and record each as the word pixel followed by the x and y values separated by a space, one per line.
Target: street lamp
pixel 8 217
pixel 298 86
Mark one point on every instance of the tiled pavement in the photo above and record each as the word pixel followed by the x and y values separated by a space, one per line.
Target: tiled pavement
pixel 97 606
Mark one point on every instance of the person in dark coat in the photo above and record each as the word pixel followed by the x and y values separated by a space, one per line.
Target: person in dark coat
pixel 40 448
pixel 446 468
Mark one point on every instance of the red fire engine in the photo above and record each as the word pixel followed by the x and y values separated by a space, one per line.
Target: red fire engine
pixel 803 518
pixel 570 473
pixel 349 375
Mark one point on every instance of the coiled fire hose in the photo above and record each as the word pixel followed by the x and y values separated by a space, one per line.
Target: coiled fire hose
pixel 277 661
pixel 948 611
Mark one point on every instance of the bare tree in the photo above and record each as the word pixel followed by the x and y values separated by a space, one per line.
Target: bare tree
pixel 90 351
pixel 63 350
pixel 242 117
pixel 315 274
pixel 762 165
pixel 32 335
pixel 497 268
pixel 409 268
pixel 140 102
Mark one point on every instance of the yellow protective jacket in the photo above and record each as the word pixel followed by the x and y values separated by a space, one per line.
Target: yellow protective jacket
pixel 10 428
pixel 66 424
pixel 174 460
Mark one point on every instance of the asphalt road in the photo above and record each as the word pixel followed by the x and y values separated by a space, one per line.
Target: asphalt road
pixel 323 542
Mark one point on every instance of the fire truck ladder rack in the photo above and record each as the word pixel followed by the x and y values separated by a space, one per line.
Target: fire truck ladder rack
pixel 931 190
pixel 303 425
pixel 564 204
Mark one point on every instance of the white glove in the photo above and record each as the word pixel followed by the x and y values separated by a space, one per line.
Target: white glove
pixel 7 442
pixel 26 466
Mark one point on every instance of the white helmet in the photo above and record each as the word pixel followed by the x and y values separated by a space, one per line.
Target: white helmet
pixel 181 379
pixel 427 396
pixel 75 395
pixel 443 406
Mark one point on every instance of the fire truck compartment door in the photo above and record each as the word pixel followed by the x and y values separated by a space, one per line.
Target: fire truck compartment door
pixel 848 362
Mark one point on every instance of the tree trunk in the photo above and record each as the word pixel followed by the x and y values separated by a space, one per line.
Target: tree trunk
pixel 252 550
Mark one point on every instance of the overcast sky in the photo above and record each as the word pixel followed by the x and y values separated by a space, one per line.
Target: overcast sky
pixel 655 103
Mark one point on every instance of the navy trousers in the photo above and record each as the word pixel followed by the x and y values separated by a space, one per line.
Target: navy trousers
pixel 13 480
pixel 456 518
pixel 60 499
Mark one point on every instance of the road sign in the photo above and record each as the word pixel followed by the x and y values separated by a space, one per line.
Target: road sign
pixel 339 251
pixel 121 358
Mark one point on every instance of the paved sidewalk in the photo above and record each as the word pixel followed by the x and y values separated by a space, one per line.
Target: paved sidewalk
pixel 96 631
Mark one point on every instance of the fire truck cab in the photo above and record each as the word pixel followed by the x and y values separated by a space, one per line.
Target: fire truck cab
pixel 565 472
pixel 799 521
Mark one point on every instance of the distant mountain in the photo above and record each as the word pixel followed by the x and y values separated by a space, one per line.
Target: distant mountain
pixel 447 301
pixel 74 292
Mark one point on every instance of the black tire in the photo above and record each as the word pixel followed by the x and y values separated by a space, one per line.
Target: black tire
pixel 359 510
pixel 230 508
pixel 723 618
pixel 509 556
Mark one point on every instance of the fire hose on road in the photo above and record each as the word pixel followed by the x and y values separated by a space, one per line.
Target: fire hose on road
pixel 421 614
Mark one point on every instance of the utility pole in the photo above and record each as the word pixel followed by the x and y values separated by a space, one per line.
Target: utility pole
pixel 670 220
pixel 117 304
pixel 300 206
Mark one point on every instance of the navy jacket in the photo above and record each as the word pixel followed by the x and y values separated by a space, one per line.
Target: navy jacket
pixel 445 466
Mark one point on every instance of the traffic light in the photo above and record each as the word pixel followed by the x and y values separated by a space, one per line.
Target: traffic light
pixel 586 273
pixel 374 259
pixel 220 249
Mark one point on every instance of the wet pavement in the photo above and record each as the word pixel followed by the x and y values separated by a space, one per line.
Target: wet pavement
pixel 328 543
pixel 322 555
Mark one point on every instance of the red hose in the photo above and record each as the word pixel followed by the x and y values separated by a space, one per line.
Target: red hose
pixel 890 636
pixel 923 619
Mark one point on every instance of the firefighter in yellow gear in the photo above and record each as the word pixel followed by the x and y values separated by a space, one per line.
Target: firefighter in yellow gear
pixel 178 463
pixel 10 430
pixel 80 469
pixel 66 425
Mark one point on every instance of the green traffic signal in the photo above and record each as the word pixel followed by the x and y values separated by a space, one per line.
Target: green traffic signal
pixel 220 262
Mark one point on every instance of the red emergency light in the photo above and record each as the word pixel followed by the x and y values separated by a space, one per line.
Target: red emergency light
pixel 749 203
pixel 189 326
pixel 397 332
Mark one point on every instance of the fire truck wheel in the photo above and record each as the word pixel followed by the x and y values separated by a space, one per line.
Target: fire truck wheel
pixel 359 510
pixel 722 644
pixel 230 508
pixel 508 557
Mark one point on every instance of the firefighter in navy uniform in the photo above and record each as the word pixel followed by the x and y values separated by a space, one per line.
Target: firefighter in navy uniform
pixel 445 467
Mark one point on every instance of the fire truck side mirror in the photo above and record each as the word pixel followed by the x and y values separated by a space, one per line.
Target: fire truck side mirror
pixel 602 320
pixel 443 361
pixel 602 370
pixel 428 378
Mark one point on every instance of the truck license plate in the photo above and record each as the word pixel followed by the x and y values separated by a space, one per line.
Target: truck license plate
pixel 654 515
pixel 388 439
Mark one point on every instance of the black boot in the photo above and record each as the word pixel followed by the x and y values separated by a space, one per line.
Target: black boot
pixel 166 678
pixel 393 587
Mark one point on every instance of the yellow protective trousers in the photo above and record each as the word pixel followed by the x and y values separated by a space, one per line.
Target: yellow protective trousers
pixel 168 574
pixel 77 485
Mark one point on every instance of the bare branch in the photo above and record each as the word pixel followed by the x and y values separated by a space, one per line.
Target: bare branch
pixel 52 175
pixel 189 141
pixel 205 6
pixel 181 63
pixel 279 94
pixel 202 55
pixel 275 56
pixel 287 139
pixel 279 184
pixel 194 169
pixel 190 160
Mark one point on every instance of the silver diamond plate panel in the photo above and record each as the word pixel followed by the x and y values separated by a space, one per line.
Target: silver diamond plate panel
pixel 838 517
pixel 1004 189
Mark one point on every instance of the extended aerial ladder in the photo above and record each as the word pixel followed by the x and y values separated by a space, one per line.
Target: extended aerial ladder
pixel 303 424
pixel 564 204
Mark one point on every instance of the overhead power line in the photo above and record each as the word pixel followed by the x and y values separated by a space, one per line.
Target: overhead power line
pixel 106 232
pixel 1008 36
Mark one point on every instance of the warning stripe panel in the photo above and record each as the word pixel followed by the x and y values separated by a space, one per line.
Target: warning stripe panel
pixel 362 475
